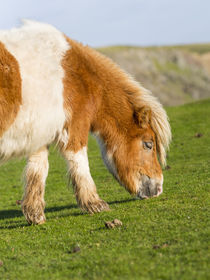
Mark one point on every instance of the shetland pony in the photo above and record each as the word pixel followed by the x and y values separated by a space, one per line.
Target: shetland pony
pixel 55 90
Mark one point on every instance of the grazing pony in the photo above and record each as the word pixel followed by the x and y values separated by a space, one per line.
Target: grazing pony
pixel 55 90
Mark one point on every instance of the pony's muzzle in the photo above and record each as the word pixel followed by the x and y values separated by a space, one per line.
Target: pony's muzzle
pixel 150 187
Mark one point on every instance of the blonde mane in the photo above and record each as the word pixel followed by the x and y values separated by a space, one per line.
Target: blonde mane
pixel 159 119
pixel 138 96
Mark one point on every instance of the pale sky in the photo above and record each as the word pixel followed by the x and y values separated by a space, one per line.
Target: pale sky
pixel 117 22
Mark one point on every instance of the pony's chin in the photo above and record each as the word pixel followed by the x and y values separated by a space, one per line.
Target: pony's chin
pixel 149 188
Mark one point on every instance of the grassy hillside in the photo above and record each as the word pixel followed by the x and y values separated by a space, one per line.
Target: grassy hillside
pixel 176 74
pixel 161 238
pixel 193 48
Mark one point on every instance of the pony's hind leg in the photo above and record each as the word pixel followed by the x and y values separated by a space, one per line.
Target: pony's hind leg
pixel 84 186
pixel 35 176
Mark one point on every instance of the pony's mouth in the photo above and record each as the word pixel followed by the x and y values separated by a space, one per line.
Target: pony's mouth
pixel 149 187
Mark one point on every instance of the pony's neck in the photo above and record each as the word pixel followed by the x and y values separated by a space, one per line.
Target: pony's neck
pixel 103 92
pixel 114 113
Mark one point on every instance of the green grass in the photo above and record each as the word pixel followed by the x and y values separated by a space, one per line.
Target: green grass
pixel 161 238
pixel 172 66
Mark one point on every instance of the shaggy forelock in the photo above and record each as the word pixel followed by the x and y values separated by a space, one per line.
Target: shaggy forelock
pixel 159 119
pixel 159 124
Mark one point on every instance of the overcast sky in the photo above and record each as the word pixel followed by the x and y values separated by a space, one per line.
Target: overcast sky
pixel 111 22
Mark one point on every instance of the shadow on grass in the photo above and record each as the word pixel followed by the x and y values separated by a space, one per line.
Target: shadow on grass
pixel 60 208
pixel 13 213
pixel 20 225
pixel 8 214
pixel 122 201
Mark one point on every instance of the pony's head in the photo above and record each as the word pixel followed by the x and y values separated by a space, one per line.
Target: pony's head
pixel 134 154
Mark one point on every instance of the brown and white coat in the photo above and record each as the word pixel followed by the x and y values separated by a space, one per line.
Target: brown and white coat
pixel 55 90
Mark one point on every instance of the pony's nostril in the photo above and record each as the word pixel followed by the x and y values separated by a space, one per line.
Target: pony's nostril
pixel 159 189
pixel 149 187
pixel 148 192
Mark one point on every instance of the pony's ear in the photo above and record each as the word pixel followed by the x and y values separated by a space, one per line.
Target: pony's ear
pixel 142 116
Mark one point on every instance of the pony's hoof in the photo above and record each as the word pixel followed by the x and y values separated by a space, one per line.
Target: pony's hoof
pixel 34 216
pixel 96 207
pixel 36 221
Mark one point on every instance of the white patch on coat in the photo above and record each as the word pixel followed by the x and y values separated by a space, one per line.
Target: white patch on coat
pixel 160 188
pixel 63 138
pixel 84 186
pixel 79 170
pixel 38 164
pixel 39 49
pixel 107 156
pixel 78 162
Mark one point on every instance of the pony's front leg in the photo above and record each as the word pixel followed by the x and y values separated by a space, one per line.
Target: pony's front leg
pixel 35 176
pixel 84 186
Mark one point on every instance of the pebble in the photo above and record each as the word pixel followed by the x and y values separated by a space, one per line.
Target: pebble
pixel 76 249
pixel 198 135
pixel 113 224
pixel 167 167
pixel 18 202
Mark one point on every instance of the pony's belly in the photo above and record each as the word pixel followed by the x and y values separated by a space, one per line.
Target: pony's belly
pixel 30 132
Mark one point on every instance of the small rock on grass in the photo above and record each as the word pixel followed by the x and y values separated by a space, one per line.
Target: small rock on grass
pixel 109 224
pixel 76 249
pixel 156 247
pixel 198 135
pixel 167 167
pixel 113 224
pixel 1 263
pixel 117 223
pixel 18 202
pixel 164 245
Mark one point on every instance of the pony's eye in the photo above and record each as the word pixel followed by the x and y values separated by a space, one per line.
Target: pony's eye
pixel 148 145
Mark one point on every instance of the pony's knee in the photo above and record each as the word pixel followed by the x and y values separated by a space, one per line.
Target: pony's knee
pixel 38 164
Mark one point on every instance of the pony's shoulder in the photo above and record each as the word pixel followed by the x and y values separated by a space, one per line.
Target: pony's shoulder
pixel 34 39
pixel 35 33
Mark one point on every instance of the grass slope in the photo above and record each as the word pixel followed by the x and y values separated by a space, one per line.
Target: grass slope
pixel 195 48
pixel 161 238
